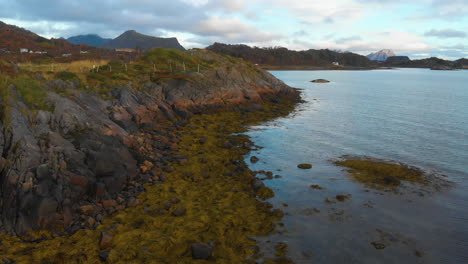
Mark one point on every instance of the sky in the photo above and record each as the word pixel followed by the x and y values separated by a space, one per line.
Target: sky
pixel 416 28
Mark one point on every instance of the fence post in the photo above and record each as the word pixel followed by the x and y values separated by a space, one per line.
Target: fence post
pixel 110 68
pixel 183 64
pixel 126 69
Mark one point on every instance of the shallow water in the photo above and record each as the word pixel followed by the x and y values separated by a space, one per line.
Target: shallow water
pixel 416 116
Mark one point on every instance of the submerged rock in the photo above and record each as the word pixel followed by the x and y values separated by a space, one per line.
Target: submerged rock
pixel 378 245
pixel 342 197
pixel 254 159
pixel 305 166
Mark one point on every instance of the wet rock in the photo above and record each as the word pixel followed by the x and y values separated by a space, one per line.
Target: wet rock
pixel 7 261
pixel 42 171
pixel 258 184
pixel 203 140
pixel 316 187
pixel 179 211
pixel 201 251
pixel 254 159
pixel 227 145
pixel 103 255
pixel 281 249
pixel 378 245
pixel 175 200
pixel 304 166
pixel 109 203
pixel 105 241
pixel 342 197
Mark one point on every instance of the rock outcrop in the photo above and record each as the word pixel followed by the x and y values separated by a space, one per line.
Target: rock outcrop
pixel 83 155
pixel 441 68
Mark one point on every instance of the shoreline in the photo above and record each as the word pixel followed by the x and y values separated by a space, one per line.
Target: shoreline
pixel 157 226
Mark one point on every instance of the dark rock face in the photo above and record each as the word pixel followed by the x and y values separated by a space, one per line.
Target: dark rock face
pixel 57 166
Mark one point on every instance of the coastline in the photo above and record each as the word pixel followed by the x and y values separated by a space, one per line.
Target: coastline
pixel 318 68
pixel 221 211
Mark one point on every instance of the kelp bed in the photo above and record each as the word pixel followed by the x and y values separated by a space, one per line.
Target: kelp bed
pixel 213 185
pixel 370 171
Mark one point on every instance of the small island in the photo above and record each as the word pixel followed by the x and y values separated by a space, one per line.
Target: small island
pixel 320 81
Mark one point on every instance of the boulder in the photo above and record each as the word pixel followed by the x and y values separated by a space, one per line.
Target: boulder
pixel 201 251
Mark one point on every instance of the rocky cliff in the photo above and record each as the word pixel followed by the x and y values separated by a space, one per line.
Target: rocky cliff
pixel 69 148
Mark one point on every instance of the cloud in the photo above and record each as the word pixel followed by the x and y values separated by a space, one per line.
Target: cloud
pixel 319 11
pixel 398 41
pixel 445 33
pixel 233 30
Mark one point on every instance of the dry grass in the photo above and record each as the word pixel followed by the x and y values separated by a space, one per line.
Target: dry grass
pixel 75 66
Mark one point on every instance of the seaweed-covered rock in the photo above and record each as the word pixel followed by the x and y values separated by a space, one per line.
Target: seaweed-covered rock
pixel 201 251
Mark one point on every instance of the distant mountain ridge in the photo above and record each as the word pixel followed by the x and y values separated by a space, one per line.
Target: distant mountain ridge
pixel 279 56
pixel 134 40
pixel 381 55
pixel 93 40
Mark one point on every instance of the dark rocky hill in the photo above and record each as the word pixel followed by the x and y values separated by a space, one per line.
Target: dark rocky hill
pixel 13 38
pixel 90 40
pixel 397 59
pixel 134 40
pixel 432 62
pixel 284 57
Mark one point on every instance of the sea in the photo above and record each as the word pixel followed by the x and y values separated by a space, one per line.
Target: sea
pixel 415 116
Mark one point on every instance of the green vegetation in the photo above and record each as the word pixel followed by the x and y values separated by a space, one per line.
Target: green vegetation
pixel 380 173
pixel 67 76
pixel 30 90
pixel 33 93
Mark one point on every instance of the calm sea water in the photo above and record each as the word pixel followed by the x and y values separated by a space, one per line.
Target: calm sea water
pixel 416 116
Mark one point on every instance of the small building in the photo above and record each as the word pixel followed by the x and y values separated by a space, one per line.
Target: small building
pixel 335 63
pixel 83 52
pixel 23 50
pixel 66 55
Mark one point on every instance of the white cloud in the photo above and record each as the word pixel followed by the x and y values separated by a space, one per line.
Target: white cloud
pixel 398 41
pixel 232 30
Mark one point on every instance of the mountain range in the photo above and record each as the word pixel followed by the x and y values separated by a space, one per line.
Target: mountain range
pixel 381 55
pixel 128 40
pixel 93 40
